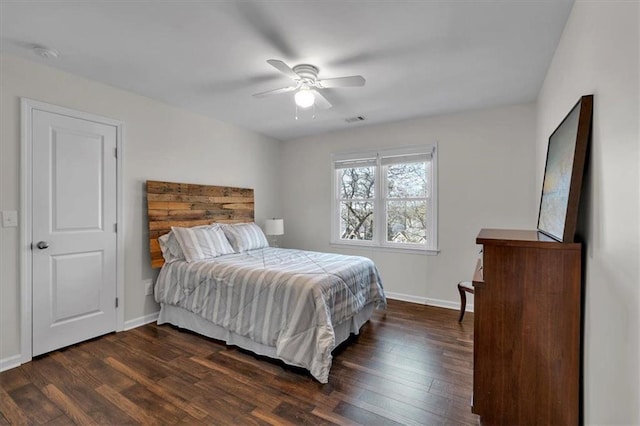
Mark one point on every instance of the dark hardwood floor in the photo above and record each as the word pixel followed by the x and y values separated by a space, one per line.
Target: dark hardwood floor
pixel 411 365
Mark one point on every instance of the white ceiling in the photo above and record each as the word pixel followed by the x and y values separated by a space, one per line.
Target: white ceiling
pixel 419 57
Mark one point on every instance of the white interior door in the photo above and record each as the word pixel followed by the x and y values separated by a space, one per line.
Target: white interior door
pixel 74 230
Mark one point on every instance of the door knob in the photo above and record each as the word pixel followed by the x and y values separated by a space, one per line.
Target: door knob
pixel 42 245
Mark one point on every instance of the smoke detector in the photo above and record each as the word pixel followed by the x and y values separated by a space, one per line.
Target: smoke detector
pixel 45 52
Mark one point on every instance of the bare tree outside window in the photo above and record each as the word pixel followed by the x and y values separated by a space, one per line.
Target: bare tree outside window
pixel 356 204
pixel 406 202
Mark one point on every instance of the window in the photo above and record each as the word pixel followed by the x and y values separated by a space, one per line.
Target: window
pixel 386 198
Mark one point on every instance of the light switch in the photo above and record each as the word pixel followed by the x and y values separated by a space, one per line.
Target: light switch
pixel 9 219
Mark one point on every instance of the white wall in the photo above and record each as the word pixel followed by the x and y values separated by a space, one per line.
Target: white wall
pixel 161 143
pixel 486 174
pixel 598 54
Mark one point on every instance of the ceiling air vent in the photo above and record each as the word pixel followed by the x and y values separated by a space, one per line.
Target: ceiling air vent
pixel 354 119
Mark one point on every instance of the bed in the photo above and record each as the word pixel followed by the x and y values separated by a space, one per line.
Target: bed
pixel 292 305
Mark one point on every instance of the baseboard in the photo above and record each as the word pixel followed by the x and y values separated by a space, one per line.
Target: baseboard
pixel 427 301
pixel 10 362
pixel 138 322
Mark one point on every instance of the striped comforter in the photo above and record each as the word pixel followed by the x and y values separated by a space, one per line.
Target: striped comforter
pixel 287 299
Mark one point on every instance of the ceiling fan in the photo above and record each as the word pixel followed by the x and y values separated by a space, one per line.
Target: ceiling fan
pixel 307 85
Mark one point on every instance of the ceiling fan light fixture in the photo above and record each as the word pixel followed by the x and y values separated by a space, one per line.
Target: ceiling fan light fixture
pixel 304 98
pixel 307 87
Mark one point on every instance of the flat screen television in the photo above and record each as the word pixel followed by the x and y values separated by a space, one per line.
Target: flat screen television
pixel 563 174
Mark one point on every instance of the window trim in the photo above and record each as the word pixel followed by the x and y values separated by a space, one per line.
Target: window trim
pixel 380 199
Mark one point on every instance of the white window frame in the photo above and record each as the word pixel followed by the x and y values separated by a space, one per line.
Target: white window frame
pixel 379 240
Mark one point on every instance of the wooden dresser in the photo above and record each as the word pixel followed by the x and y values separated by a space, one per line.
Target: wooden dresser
pixel 526 329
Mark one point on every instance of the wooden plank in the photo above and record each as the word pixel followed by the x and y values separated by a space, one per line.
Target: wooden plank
pixel 238 206
pixel 13 378
pixel 221 201
pixel 212 203
pixel 180 223
pixel 193 198
pixel 10 410
pixel 155 187
pixel 168 205
pixel 187 214
pixel 66 404
pixel 297 415
pixel 271 418
pixel 161 391
pixel 126 405
pixel 156 214
pixel 155 245
pixel 210 215
pixel 35 405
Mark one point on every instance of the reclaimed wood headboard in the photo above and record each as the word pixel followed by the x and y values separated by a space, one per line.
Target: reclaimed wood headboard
pixel 184 204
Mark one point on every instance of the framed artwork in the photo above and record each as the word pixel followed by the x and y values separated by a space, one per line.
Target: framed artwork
pixel 563 173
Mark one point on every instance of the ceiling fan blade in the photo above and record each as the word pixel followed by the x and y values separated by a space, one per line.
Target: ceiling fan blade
pixel 351 81
pixel 283 68
pixel 274 92
pixel 321 102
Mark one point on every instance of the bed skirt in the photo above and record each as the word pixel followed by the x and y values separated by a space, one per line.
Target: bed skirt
pixel 182 318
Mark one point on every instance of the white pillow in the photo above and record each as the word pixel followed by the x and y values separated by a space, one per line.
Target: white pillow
pixel 171 250
pixel 245 236
pixel 202 243
pixel 170 247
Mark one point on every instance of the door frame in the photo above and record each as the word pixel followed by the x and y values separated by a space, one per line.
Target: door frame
pixel 27 106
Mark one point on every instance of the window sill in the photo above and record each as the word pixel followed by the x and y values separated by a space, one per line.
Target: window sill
pixel 426 252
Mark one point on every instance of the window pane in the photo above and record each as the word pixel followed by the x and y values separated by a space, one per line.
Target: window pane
pixel 356 182
pixel 356 220
pixel 406 222
pixel 407 180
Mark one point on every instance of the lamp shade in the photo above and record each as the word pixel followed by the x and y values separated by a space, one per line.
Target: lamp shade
pixel 274 227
